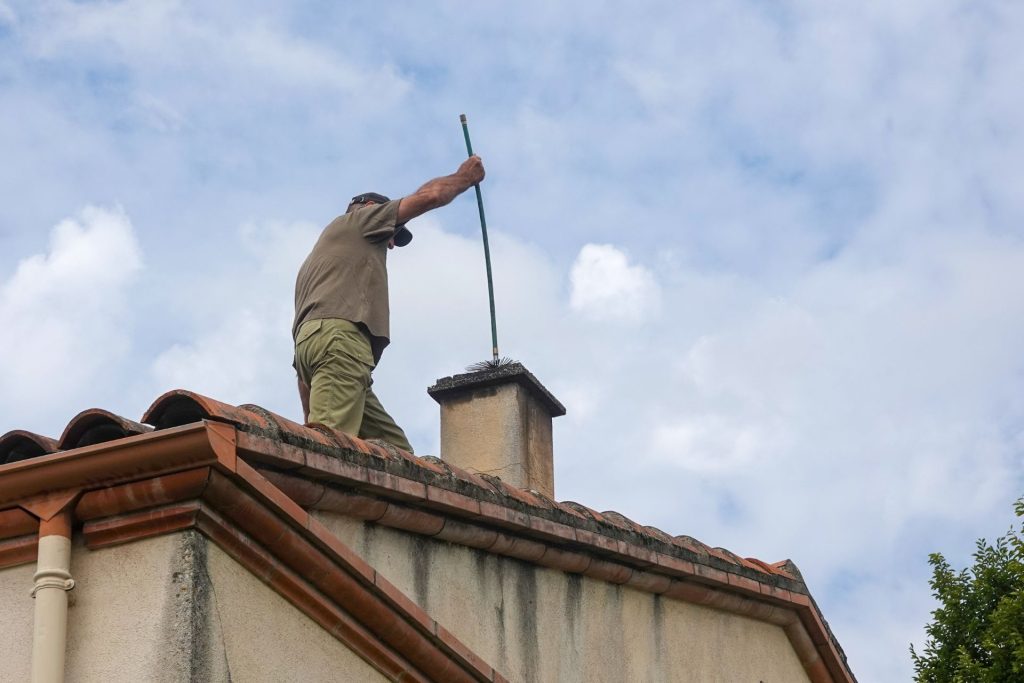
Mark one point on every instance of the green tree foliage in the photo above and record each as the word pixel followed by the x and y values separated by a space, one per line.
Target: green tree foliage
pixel 977 634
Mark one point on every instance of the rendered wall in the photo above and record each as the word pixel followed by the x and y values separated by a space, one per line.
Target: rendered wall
pixel 538 624
pixel 173 608
pixel 16 607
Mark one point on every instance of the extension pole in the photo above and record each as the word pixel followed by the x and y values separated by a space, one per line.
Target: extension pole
pixel 487 249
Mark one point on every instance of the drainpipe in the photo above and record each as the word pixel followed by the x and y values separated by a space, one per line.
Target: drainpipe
pixel 52 581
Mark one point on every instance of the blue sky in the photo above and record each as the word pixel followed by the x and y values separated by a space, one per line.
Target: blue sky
pixel 769 255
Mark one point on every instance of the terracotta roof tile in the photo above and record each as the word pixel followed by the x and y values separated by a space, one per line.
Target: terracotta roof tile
pixel 20 444
pixel 96 425
pixel 330 470
pixel 658 534
pixel 180 407
pixel 384 467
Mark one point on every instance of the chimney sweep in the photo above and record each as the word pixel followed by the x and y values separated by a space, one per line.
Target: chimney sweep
pixel 341 322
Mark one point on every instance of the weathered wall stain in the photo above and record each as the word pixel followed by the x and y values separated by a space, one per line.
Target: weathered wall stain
pixel 196 649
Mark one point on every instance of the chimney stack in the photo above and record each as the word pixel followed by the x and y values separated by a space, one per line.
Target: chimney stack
pixel 498 421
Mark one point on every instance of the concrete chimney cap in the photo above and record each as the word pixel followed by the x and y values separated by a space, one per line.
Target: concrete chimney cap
pixel 449 387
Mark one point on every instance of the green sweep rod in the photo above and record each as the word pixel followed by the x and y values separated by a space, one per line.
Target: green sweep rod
pixel 487 249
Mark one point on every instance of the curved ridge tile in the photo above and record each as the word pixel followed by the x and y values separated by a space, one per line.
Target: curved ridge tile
pixel 692 544
pixel 456 472
pixel 19 444
pixel 96 425
pixel 181 407
pixel 509 491
pixel 623 522
pixel 579 509
pixel 571 510
pixel 765 567
pixel 727 555
pixel 347 441
pixel 274 428
pixel 657 533
pixel 549 503
pixel 789 568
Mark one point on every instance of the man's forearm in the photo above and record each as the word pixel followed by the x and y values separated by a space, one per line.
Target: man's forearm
pixel 440 191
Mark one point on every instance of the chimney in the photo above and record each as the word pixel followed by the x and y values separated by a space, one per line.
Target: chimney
pixel 498 421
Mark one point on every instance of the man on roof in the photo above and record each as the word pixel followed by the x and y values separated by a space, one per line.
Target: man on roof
pixel 341 306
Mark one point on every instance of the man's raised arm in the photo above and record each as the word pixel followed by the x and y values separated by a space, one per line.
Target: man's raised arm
pixel 440 191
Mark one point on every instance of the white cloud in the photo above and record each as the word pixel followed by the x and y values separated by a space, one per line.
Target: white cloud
pixel 238 54
pixel 66 314
pixel 830 353
pixel 606 287
pixel 237 325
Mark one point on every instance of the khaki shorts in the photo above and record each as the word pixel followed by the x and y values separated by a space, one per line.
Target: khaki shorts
pixel 333 357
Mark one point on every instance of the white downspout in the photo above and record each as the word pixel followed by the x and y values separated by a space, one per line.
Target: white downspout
pixel 52 581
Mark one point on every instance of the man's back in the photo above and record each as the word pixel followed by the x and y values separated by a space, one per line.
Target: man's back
pixel 345 275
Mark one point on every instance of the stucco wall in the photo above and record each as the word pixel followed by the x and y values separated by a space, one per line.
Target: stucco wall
pixel 173 608
pixel 538 624
pixel 16 607
pixel 266 639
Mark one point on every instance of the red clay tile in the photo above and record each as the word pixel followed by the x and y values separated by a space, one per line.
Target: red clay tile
pixel 270 452
pixel 762 565
pixel 575 509
pixel 723 554
pixel 352 504
pixel 331 468
pixel 624 522
pixel 598 542
pixel 674 565
pixel 470 535
pixel 303 491
pixel 551 530
pixel 711 574
pixel 637 554
pixel 450 500
pixel 655 532
pixel 96 425
pixel 346 441
pixel 504 516
pixel 411 519
pixel 19 444
pixel 565 560
pixel 400 486
pixel 691 544
pixel 519 548
pixel 649 582
pixel 274 495
pixel 744 583
pixel 687 591
pixel 776 592
pixel 179 407
pixel 609 571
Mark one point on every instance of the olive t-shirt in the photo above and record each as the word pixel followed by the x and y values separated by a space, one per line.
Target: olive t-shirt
pixel 345 276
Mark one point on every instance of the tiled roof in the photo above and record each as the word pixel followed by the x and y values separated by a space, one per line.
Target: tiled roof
pixel 321 468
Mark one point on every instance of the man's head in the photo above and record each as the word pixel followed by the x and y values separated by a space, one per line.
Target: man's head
pixel 402 234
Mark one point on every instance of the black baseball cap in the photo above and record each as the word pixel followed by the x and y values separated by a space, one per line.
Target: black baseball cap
pixel 402 234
